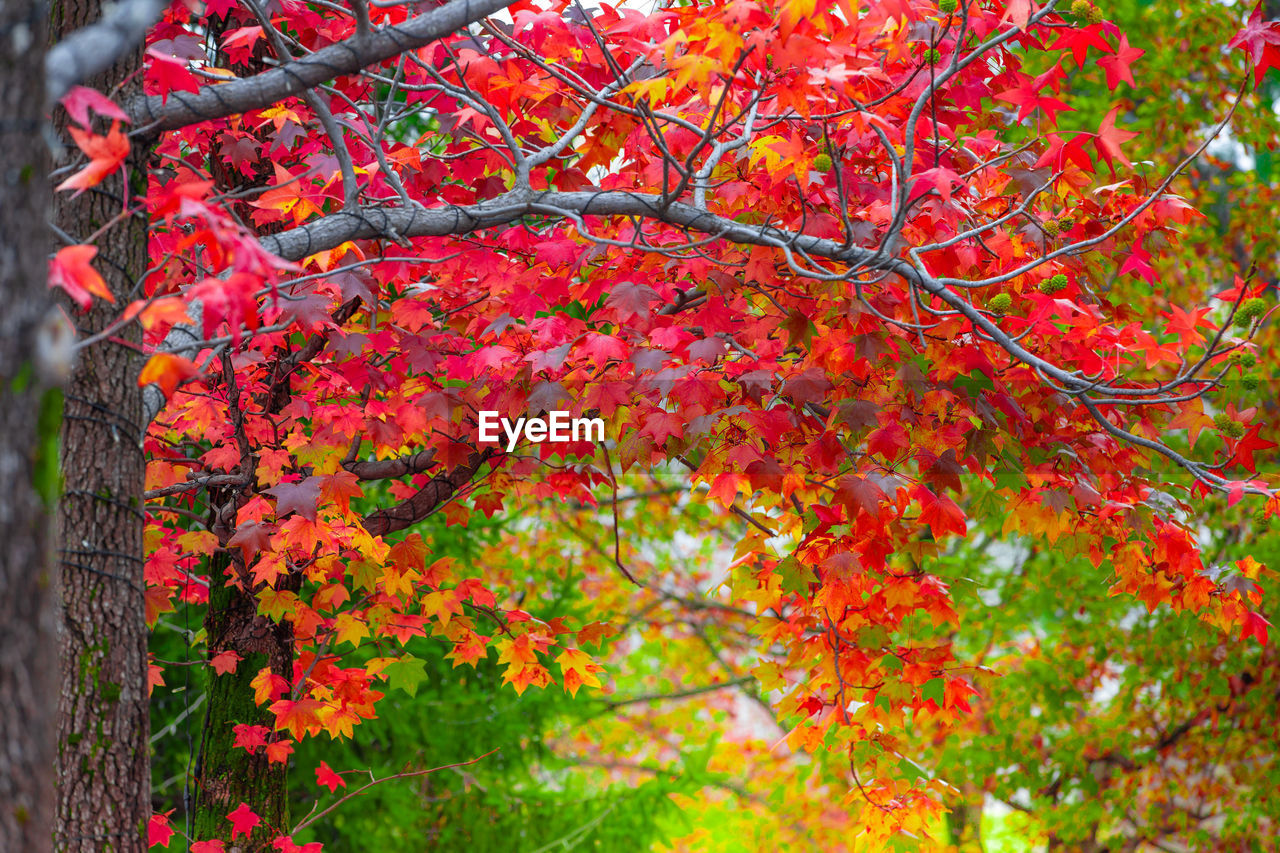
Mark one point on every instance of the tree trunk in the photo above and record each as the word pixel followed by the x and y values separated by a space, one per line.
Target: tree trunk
pixel 103 764
pixel 964 822
pixel 28 443
pixel 228 775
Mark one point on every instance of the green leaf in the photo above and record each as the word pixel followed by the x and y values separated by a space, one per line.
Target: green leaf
pixel 406 674
pixel 795 576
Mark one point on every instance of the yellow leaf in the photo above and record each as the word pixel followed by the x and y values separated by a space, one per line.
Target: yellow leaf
pixel 578 669
pixel 349 629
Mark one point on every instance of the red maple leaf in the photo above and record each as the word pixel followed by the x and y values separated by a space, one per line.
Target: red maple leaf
pixel 252 537
pixel 1062 150
pixel 243 820
pixel 250 737
pixel 1187 324
pixel 1019 12
pixel 286 844
pixel 940 513
pixel 166 370
pixel 340 488
pixel 1079 41
pixel 71 270
pixel 299 497
pixel 1138 263
pixel 1028 95
pixel 326 777
pixel 1117 65
pixel 81 99
pixel 1251 441
pixel 167 74
pixel 238 44
pixel 855 492
pixel 1254 626
pixel 1110 138
pixel 1029 99
pixel 215 846
pixel 1261 40
pixel 940 179
pixel 630 299
pixel 158 830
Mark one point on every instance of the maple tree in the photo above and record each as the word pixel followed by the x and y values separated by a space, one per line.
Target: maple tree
pixel 842 272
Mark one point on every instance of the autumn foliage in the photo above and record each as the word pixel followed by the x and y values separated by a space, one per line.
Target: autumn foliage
pixel 853 287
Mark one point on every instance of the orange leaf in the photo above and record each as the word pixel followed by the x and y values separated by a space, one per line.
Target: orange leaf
pixel 298 718
pixel 225 662
pixel 278 751
pixel 578 669
pixel 166 370
pixel 71 270
pixel 155 677
pixel 106 153
pixel 166 311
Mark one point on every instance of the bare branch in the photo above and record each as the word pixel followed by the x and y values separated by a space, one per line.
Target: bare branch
pixel 346 57
pixel 427 499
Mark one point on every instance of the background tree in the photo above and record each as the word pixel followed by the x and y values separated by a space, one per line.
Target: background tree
pixel 36 358
pixel 32 340
pixel 1143 729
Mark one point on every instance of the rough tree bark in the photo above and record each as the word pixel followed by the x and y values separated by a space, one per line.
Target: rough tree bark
pixel 103 762
pixel 227 775
pixel 28 443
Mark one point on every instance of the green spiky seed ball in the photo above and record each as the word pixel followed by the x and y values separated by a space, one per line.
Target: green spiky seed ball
pixel 1080 8
pixel 1050 227
pixel 1244 358
pixel 1251 310
pixel 1250 381
pixel 1094 15
pixel 1000 303
pixel 932 55
pixel 946 7
pixel 1229 427
pixel 822 163
pixel 1053 284
pixel 1066 223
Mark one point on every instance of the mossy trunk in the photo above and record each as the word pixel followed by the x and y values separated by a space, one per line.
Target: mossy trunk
pixel 228 775
pixel 28 443
pixel 103 761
